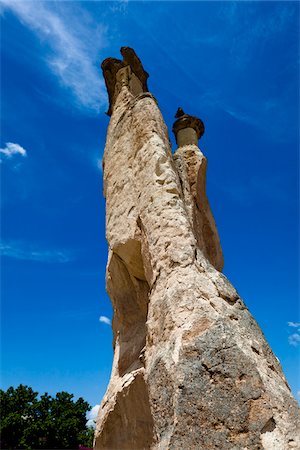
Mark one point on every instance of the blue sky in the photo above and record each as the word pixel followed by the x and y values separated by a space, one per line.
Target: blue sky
pixel 235 65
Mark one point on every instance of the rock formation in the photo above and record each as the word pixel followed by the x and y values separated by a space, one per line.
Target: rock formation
pixel 192 369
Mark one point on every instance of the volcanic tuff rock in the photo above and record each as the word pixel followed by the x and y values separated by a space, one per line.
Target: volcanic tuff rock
pixel 192 369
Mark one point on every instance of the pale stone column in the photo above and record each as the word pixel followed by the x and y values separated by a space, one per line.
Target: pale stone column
pixel 192 369
pixel 191 167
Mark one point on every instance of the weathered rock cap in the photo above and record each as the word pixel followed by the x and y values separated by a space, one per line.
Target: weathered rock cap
pixel 187 129
pixel 111 66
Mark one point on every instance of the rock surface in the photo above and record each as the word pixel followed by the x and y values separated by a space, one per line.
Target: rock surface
pixel 192 369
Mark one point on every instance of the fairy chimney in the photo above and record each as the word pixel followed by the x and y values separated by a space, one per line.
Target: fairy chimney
pixel 191 366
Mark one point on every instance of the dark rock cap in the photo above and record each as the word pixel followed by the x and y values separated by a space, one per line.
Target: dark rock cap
pixel 110 67
pixel 187 121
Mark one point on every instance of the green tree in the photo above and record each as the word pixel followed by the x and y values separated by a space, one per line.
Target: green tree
pixel 87 437
pixel 17 413
pixel 45 423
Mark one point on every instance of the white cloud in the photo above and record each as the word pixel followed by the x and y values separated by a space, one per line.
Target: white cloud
pixel 294 324
pixel 99 164
pixel 74 40
pixel 298 394
pixel 23 251
pixel 11 149
pixel 92 416
pixel 294 339
pixel 105 319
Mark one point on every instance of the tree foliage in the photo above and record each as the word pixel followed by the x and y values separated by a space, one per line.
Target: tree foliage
pixel 29 422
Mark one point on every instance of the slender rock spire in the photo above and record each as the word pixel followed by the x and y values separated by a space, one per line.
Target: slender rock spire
pixel 192 369
pixel 191 166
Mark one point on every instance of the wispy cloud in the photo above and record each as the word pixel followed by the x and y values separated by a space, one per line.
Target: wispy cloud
pixel 74 41
pixel 119 6
pixel 92 416
pixel 12 149
pixel 242 44
pixel 252 30
pixel 269 188
pixel 99 164
pixel 105 320
pixel 23 251
pixel 294 339
pixel 294 324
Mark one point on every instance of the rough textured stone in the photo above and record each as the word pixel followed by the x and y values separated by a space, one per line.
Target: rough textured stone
pixel 191 367
pixel 138 76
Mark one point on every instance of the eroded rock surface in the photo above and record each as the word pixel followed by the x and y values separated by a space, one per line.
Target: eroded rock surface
pixel 192 369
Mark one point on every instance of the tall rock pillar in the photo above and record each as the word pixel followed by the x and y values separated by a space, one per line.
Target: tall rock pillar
pixel 192 369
